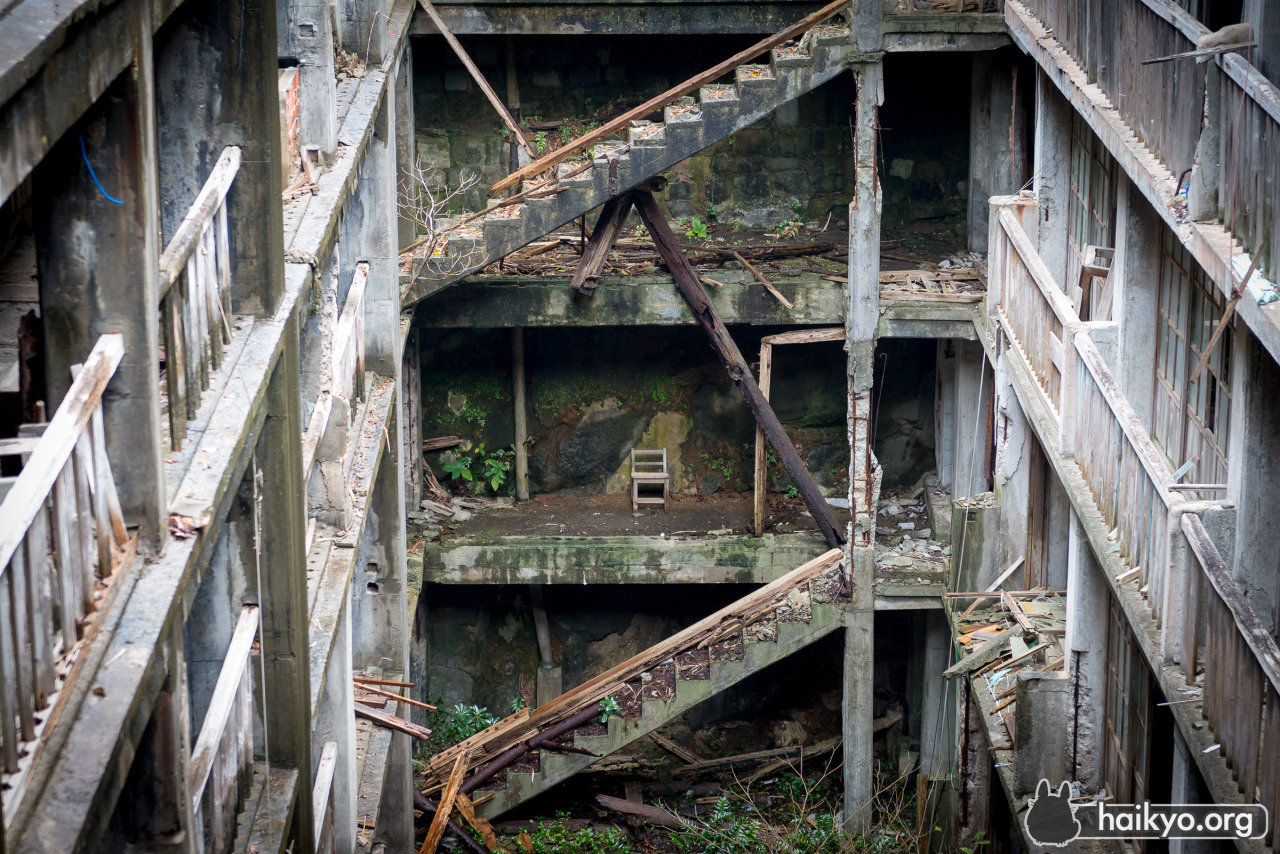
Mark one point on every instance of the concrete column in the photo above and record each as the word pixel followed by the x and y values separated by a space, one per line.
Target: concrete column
pixel 1206 168
pixel 336 722
pixel 974 781
pixel 972 390
pixel 284 630
pixel 380 625
pixel 997 134
pixel 363 28
pixel 1136 282
pixel 1086 649
pixel 406 149
pixel 96 260
pixel 305 33
pixel 1052 178
pixel 937 726
pixel 944 409
pixel 550 682
pixel 1186 789
pixel 410 401
pixel 1254 475
pixel 370 234
pixel 521 416
pixel 861 320
pixel 222 56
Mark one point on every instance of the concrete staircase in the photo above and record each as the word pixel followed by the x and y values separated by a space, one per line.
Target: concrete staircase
pixel 665 691
pixel 689 126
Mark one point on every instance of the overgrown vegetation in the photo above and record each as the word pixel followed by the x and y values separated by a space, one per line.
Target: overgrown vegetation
pixel 481 469
pixel 555 837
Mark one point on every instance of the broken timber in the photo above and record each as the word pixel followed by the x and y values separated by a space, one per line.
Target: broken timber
pixel 691 289
pixel 612 215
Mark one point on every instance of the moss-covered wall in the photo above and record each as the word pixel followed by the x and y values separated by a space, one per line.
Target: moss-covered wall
pixel 594 394
pixel 794 164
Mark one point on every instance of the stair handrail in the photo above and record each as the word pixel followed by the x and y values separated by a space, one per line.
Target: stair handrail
pixel 515 728
pixel 658 102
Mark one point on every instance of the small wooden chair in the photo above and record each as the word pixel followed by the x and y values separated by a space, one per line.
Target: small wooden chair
pixel 650 467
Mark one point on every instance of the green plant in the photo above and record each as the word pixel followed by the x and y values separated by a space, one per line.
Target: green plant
pixel 517 704
pixel 459 468
pixel 735 226
pixel 696 228
pixel 640 232
pixel 482 469
pixel 789 229
pixel 463 721
pixel 796 206
pixel 712 212
pixel 540 141
pixel 609 707
pixel 555 837
pixel 506 134
pixel 792 492
pixel 978 841
pixel 720 465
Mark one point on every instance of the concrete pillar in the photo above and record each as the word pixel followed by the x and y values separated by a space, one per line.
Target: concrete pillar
pixel 305 34
pixel 1085 644
pixel 336 722
pixel 861 319
pixel 222 56
pixel 972 390
pixel 1186 789
pixel 974 782
pixel 937 726
pixel 1052 178
pixel 284 629
pixel 1206 168
pixel 370 234
pixel 406 147
pixel 521 415
pixel 944 409
pixel 96 260
pixel 997 134
pixel 550 680
pixel 1254 475
pixel 1136 281
pixel 410 402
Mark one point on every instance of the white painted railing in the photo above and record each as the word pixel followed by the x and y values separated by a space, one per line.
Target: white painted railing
pixel 1036 316
pixel 195 289
pixel 1125 472
pixel 322 799
pixel 222 759
pixel 59 524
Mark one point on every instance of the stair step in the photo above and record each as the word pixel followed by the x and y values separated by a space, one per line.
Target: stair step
pixel 764 631
pixel 660 682
pixel 694 665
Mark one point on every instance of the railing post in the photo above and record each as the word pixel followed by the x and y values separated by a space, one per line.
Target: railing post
pixel 1067 403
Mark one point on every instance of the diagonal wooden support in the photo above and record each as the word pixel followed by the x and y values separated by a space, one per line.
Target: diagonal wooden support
pixel 691 289
pixel 612 216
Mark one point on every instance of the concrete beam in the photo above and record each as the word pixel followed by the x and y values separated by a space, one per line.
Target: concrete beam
pixel 630 301
pixel 574 18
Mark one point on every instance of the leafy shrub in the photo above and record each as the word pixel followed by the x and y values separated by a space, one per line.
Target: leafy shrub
pixel 555 837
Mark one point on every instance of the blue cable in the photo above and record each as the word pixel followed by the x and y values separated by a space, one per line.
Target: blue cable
pixel 94 175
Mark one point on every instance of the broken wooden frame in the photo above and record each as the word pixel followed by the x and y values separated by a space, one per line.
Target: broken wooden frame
pixel 322 806
pixel 736 366
pixel 803 336
pixel 195 296
pixel 222 758
pixel 612 215
pixel 658 102
pixel 524 725
pixel 65 484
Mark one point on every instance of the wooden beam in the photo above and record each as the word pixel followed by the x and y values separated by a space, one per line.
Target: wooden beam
pixel 668 97
pixel 691 289
pixel 651 814
pixel 479 78
pixel 995 585
pixel 751 268
pixel 608 226
pixel 761 468
pixel 390 721
pixel 441 819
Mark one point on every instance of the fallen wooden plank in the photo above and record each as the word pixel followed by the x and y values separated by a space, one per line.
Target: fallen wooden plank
pixel 369 689
pixel 467 809
pixel 794 752
pixel 390 721
pixel 651 814
pixel 988 652
pixel 995 585
pixel 674 749
pixel 762 280
pixel 440 443
pixel 622 122
pixel 440 822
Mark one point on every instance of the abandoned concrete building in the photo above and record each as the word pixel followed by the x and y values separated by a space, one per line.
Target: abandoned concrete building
pixel 418 420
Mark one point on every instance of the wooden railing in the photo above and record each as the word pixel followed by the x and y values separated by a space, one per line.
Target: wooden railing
pixel 1125 472
pixel 195 290
pixel 1162 103
pixel 1035 314
pixel 222 759
pixel 1241 671
pixel 348 340
pixel 59 523
pixel 322 799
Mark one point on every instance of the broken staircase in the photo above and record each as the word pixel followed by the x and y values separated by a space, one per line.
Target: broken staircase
pixel 655 686
pixel 689 125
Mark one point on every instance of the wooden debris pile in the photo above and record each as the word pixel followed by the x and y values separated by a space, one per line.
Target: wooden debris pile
pixel 1001 633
